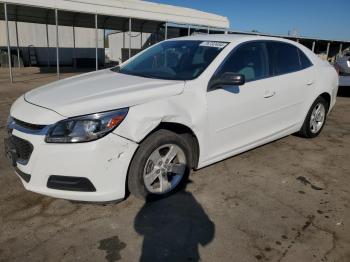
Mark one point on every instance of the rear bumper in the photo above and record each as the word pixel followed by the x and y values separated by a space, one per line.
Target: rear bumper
pixel 103 162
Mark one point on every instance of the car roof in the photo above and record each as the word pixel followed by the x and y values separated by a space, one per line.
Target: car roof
pixel 240 38
pixel 233 38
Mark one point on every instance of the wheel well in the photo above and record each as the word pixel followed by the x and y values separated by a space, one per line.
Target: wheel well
pixel 326 97
pixel 178 129
pixel 188 134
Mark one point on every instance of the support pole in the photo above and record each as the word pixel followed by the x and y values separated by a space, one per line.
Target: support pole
pixel 327 53
pixel 166 31
pixel 57 46
pixel 129 37
pixel 208 30
pixel 340 48
pixel 47 45
pixel 96 36
pixel 189 30
pixel 74 51
pixel 8 43
pixel 104 45
pixel 141 40
pixel 313 46
pixel 18 56
pixel 141 34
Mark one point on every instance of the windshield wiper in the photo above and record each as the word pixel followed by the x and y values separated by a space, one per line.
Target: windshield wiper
pixel 146 75
pixel 116 69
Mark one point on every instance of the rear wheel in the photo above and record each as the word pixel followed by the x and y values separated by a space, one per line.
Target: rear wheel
pixel 315 119
pixel 160 166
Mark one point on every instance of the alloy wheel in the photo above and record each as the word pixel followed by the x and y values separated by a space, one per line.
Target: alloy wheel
pixel 164 169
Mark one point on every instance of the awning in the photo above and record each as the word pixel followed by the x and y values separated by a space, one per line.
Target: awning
pixel 27 11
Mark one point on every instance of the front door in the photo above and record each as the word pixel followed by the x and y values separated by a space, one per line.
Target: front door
pixel 238 115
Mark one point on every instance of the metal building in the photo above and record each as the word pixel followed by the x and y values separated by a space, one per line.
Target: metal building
pixel 82 34
pixel 72 33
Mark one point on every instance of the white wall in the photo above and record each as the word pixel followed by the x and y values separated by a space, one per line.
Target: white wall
pixel 120 40
pixel 35 34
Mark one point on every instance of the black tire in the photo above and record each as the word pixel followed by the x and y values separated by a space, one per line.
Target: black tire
pixel 305 130
pixel 136 185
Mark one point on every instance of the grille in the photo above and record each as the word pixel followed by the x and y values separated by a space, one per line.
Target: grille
pixel 28 125
pixel 70 183
pixel 24 149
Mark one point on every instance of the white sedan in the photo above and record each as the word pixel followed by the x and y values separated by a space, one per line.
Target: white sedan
pixel 179 105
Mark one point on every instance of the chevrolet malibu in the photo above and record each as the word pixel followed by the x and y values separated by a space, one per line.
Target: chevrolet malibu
pixel 179 105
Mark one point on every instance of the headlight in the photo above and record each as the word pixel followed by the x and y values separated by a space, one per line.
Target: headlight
pixel 85 128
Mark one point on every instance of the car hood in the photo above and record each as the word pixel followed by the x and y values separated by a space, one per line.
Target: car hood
pixel 100 91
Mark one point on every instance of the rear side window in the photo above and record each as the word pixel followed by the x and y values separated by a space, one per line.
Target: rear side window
pixel 283 57
pixel 304 60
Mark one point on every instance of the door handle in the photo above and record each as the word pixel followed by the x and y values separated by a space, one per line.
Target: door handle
pixel 269 94
pixel 310 82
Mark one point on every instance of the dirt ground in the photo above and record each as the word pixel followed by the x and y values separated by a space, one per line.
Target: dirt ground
pixel 285 201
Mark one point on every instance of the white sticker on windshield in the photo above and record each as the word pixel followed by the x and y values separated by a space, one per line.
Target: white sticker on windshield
pixel 214 44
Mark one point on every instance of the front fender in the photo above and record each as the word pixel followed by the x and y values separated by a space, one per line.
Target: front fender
pixel 143 119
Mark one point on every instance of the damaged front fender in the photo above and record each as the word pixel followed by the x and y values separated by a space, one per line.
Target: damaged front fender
pixel 143 119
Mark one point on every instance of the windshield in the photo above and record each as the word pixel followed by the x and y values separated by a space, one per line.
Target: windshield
pixel 174 60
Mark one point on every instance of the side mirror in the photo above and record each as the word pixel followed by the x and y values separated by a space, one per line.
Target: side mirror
pixel 227 79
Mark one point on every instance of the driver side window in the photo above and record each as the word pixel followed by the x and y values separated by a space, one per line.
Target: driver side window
pixel 249 59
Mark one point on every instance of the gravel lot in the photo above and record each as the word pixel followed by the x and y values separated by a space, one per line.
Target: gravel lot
pixel 285 201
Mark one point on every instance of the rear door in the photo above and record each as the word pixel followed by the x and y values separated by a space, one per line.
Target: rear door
pixel 289 87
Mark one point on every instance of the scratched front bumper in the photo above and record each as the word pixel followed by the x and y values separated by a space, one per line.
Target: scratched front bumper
pixel 104 162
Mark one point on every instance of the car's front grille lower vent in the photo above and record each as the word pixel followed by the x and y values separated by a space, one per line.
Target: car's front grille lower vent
pixel 28 125
pixel 23 148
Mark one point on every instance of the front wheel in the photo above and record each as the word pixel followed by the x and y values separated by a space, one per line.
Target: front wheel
pixel 315 119
pixel 160 166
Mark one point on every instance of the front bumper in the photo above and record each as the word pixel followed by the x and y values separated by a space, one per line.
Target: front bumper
pixel 103 162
